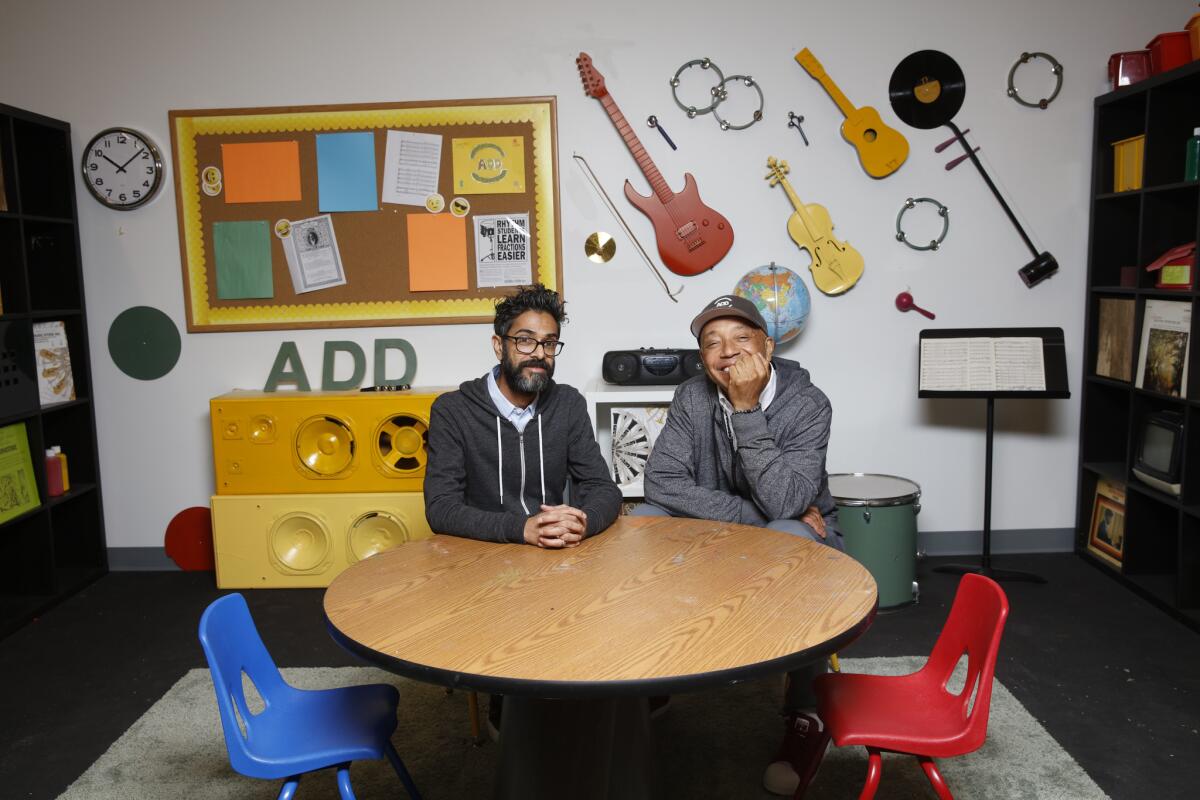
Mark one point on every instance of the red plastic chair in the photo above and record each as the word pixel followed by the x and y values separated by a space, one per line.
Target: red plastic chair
pixel 917 714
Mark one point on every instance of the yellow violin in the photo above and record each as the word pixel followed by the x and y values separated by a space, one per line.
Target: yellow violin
pixel 836 266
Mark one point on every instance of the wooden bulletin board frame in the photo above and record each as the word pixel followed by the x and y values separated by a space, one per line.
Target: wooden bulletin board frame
pixel 373 244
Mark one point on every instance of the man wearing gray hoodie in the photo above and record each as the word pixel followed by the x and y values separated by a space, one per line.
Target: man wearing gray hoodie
pixel 502 447
pixel 746 443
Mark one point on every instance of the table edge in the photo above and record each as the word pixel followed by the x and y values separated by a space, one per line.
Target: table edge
pixel 570 689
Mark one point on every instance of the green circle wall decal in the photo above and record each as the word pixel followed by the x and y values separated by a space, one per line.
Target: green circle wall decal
pixel 144 343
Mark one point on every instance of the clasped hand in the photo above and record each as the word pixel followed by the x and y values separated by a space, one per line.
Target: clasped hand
pixel 555 527
pixel 748 376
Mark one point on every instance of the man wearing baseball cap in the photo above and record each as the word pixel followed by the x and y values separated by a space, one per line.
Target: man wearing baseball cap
pixel 746 443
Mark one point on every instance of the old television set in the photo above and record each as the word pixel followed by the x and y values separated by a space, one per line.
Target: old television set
pixel 1160 450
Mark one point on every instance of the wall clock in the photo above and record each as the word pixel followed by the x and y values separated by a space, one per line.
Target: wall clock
pixel 122 168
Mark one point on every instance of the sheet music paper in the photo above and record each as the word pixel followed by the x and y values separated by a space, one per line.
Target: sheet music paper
pixel 983 364
pixel 412 163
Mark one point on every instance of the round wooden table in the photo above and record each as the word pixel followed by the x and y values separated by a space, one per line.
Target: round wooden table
pixel 577 638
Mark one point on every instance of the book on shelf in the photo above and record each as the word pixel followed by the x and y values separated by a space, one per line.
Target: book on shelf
pixel 1106 534
pixel 1114 346
pixel 56 384
pixel 983 364
pixel 18 482
pixel 634 431
pixel 1163 354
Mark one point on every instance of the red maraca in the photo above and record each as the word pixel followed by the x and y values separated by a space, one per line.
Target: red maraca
pixel 904 302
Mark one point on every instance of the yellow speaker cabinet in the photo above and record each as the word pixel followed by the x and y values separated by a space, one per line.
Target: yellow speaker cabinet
pixel 291 541
pixel 306 442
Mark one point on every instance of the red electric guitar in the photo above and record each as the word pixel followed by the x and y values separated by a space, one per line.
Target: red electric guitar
pixel 692 237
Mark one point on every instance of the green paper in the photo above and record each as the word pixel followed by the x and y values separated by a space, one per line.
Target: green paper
pixel 243 255
pixel 18 482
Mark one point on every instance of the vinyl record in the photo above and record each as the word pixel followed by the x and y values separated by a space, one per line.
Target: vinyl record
pixel 927 89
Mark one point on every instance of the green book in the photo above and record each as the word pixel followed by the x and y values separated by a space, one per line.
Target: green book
pixel 18 481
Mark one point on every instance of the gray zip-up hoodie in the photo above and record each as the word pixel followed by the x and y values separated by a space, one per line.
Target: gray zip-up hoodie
pixel 484 478
pixel 779 468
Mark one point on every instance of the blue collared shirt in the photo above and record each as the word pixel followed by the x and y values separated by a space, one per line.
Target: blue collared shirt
pixel 519 417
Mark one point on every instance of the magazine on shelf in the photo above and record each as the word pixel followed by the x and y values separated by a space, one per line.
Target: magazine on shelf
pixel 1114 344
pixel 1163 354
pixel 1106 535
pixel 18 482
pixel 634 431
pixel 55 381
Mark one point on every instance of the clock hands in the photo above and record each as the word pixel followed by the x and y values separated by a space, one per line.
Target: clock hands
pixel 131 158
pixel 120 167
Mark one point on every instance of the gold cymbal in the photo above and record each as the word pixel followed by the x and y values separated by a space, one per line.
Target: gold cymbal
pixel 600 247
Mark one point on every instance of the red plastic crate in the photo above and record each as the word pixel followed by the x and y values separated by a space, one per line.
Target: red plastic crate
pixel 1127 68
pixel 1169 50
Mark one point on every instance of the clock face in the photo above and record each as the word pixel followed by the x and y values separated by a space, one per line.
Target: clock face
pixel 122 168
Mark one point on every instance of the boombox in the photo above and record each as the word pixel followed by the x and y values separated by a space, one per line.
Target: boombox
pixel 651 367
pixel 306 442
pixel 305 540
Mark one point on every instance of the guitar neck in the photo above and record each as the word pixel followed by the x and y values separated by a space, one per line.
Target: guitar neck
pixel 653 176
pixel 843 103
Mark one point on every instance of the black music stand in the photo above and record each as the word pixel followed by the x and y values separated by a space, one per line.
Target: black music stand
pixel 937 372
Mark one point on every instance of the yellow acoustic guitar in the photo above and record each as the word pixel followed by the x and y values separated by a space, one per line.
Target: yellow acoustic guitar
pixel 881 149
pixel 836 266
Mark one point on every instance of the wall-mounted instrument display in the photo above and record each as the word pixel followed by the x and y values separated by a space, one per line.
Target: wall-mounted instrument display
pixel 881 149
pixel 926 91
pixel 692 237
pixel 836 266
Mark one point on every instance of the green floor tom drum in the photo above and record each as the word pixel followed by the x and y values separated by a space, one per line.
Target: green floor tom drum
pixel 878 518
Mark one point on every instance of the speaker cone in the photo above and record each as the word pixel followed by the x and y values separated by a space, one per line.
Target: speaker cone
pixel 325 446
pixel 401 443
pixel 692 364
pixel 299 543
pixel 262 429
pixel 373 533
pixel 620 367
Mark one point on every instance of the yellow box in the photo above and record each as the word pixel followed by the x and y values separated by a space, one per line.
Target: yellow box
pixel 1127 163
pixel 291 541
pixel 316 442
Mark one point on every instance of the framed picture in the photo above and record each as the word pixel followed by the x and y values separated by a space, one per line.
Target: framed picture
pixel 634 430
pixel 1106 534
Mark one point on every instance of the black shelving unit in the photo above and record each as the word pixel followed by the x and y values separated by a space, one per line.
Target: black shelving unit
pixel 1161 559
pixel 53 551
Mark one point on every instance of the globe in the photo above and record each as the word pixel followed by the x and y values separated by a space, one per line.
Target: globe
pixel 781 297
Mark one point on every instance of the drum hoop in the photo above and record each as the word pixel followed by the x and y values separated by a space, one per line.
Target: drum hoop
pixel 883 502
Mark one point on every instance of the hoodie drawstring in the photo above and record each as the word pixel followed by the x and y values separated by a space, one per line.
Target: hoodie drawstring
pixel 541 459
pixel 499 461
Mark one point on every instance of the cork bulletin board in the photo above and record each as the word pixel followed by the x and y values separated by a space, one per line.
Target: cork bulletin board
pixel 323 216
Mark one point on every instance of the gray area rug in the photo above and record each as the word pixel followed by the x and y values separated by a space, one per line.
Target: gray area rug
pixel 711 745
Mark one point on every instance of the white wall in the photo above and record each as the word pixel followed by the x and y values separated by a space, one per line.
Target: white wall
pixel 97 64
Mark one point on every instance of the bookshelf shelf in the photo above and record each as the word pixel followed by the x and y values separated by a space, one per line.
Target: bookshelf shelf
pixel 58 548
pixel 1161 545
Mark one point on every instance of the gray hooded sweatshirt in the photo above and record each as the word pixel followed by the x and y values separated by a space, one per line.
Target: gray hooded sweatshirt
pixel 775 471
pixel 484 479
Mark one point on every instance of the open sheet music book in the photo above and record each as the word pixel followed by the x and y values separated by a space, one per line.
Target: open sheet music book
pixel 983 364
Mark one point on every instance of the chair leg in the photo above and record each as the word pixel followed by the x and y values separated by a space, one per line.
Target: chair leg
pixel 813 765
pixel 405 778
pixel 473 711
pixel 874 772
pixel 344 788
pixel 935 778
pixel 288 790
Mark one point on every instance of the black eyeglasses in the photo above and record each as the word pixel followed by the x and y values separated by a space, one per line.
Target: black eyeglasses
pixel 526 345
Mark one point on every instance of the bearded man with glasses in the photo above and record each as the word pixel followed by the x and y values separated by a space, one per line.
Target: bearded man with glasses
pixel 503 446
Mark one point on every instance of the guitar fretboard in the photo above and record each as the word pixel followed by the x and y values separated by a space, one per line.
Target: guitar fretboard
pixel 655 178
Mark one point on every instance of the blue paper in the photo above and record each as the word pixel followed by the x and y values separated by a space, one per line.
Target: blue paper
pixel 346 172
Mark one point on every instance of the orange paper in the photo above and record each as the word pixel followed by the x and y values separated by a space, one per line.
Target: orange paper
pixel 437 253
pixel 261 172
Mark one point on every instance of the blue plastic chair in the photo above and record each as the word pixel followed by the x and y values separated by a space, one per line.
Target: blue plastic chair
pixel 297 731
